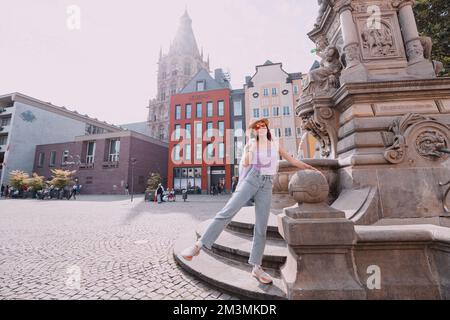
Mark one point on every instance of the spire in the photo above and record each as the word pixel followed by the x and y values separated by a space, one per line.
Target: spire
pixel 201 55
pixel 184 41
pixel 160 53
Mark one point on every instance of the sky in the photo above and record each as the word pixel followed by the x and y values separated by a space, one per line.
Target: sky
pixel 104 64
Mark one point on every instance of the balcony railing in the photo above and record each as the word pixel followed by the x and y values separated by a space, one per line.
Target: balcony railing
pixel 86 166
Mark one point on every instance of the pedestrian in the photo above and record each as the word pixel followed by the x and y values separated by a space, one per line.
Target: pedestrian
pixel 7 191
pixel 258 165
pixel 214 190
pixel 2 190
pixel 126 189
pixel 234 184
pixel 73 192
pixel 160 193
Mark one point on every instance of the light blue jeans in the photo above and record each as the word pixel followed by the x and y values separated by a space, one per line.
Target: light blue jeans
pixel 254 185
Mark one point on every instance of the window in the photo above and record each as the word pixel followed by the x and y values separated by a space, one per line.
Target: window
pixel 176 152
pixel 275 111
pixel 187 69
pixel 221 126
pixel 265 112
pixel 198 130
pixel 5 121
pixel 52 159
pixel 198 151
pixel 255 113
pixel 162 93
pixel 274 91
pixel 220 108
pixel 221 150
pixel 296 89
pixel 3 139
pixel 286 111
pixel 41 160
pixel 265 92
pixel 209 109
pixel 187 152
pixel 287 132
pixel 299 132
pixel 200 85
pixel 114 149
pixel 199 110
pixel 209 129
pixel 237 107
pixel 210 151
pixel 188 131
pixel 188 111
pixel 90 152
pixel 277 132
pixel 177 134
pixel 65 157
pixel 238 132
pixel 177 112
pixel 238 149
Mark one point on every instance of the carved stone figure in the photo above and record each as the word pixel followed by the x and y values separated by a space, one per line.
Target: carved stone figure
pixel 324 80
pixel 323 4
pixel 378 42
pixel 429 143
pixel 427 44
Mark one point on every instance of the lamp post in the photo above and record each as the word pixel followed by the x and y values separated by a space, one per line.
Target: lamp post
pixel 133 162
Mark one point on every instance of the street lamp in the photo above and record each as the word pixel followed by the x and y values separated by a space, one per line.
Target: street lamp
pixel 133 162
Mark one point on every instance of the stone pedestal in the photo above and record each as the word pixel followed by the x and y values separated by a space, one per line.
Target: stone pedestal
pixel 319 264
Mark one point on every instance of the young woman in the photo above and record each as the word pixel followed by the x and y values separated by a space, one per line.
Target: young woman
pixel 258 166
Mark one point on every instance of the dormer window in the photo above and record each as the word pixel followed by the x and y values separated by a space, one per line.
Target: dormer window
pixel 201 85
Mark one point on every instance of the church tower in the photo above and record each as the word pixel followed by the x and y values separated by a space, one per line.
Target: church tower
pixel 175 69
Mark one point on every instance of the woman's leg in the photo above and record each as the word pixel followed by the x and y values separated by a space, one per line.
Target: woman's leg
pixel 263 199
pixel 224 216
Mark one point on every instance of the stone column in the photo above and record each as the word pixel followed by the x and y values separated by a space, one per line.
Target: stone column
pixel 408 25
pixel 320 263
pixel 355 70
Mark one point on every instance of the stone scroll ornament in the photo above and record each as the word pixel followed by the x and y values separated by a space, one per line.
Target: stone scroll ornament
pixel 430 138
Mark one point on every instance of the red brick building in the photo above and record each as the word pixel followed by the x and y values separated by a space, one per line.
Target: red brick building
pixel 199 156
pixel 104 161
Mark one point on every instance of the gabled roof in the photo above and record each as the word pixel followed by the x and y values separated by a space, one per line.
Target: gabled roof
pixel 203 75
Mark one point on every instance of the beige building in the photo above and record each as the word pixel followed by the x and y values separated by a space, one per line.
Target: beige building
pixel 272 93
pixel 175 70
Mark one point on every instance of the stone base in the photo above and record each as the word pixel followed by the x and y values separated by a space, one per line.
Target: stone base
pixel 423 69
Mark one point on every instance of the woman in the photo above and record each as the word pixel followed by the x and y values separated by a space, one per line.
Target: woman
pixel 258 166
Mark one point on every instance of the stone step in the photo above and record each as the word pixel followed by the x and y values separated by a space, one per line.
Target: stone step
pixel 225 274
pixel 237 247
pixel 244 222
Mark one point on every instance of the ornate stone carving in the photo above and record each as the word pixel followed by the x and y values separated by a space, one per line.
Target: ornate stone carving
pixel 401 3
pixel 429 143
pixel 445 195
pixel 378 42
pixel 315 124
pixel 430 138
pixel 352 55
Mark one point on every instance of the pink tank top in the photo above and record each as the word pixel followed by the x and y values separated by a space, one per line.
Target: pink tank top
pixel 266 160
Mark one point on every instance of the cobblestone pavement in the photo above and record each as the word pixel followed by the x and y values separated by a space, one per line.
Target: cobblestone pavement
pixel 116 249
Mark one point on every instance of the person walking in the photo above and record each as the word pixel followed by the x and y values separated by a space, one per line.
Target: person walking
pixel 2 190
pixel 127 187
pixel 73 192
pixel 258 165
pixel 160 193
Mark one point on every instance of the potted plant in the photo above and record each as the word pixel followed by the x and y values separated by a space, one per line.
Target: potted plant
pixel 35 184
pixel 61 179
pixel 18 180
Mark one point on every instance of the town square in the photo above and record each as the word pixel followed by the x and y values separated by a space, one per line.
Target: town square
pixel 225 151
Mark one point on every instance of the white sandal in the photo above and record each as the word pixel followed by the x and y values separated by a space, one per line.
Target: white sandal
pixel 262 276
pixel 191 252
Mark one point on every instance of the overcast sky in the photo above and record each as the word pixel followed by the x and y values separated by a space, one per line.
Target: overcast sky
pixel 107 68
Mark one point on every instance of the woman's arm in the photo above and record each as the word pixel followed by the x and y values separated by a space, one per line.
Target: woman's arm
pixel 248 154
pixel 297 163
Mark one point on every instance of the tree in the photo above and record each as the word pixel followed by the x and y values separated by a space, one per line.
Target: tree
pixel 36 182
pixel 18 179
pixel 153 181
pixel 433 20
pixel 61 178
